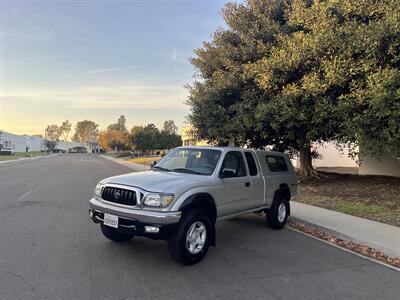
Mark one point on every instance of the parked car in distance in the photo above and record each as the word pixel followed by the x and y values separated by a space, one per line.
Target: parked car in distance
pixel 7 151
pixel 186 192
pixel 77 149
pixel 58 151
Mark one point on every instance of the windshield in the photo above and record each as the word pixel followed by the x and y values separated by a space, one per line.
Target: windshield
pixel 193 161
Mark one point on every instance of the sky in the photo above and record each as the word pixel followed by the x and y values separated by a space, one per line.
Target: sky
pixel 76 60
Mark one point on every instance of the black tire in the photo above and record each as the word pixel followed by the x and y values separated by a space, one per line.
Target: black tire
pixel 273 219
pixel 177 243
pixel 114 235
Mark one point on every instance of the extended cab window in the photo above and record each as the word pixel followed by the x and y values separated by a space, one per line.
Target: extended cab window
pixel 251 163
pixel 233 165
pixel 276 163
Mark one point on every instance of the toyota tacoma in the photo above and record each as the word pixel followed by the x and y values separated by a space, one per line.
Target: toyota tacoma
pixel 186 192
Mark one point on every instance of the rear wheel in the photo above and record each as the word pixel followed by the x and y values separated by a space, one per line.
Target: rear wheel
pixel 114 235
pixel 278 213
pixel 191 241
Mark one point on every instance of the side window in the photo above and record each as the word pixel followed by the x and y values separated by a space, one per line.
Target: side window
pixel 251 163
pixel 233 165
pixel 276 163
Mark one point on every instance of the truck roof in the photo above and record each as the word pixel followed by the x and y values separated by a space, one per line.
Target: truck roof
pixel 234 148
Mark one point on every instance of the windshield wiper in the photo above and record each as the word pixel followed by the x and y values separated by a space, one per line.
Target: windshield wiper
pixel 185 170
pixel 161 169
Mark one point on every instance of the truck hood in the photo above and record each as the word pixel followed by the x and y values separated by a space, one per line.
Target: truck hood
pixel 159 181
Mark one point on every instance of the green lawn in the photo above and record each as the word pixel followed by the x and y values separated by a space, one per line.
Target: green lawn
pixel 372 197
pixel 145 160
pixel 19 155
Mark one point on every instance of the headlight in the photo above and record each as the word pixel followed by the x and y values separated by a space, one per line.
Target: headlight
pixel 158 200
pixel 97 191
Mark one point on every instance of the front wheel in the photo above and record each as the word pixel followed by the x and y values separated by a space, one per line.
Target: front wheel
pixel 114 235
pixel 278 213
pixel 191 241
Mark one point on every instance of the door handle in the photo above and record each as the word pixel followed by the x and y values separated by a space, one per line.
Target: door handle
pixel 247 184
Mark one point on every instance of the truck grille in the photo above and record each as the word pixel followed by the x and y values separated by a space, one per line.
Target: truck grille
pixel 120 196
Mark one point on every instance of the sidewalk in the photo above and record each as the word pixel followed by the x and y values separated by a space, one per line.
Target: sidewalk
pixel 383 237
pixel 27 158
pixel 134 166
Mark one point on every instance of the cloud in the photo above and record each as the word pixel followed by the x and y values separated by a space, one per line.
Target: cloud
pixel 104 70
pixel 102 97
pixel 95 71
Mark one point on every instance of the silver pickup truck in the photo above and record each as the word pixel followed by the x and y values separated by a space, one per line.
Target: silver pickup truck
pixel 185 193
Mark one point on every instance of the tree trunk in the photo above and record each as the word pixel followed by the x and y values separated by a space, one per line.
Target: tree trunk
pixel 306 168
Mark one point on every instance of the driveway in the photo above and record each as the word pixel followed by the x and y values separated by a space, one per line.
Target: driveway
pixel 50 249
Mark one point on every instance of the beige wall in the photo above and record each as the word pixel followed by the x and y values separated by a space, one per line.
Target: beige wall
pixel 388 165
pixel 332 157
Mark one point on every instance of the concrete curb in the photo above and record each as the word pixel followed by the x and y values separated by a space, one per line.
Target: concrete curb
pixel 346 250
pixel 27 159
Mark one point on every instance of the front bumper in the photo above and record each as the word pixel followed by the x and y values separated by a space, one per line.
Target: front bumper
pixel 134 220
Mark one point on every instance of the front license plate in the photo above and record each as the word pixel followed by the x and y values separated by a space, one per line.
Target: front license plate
pixel 111 220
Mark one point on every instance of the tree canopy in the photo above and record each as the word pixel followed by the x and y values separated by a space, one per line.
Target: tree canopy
pixel 120 125
pixel 52 135
pixel 149 137
pixel 86 132
pixel 170 127
pixel 116 137
pixel 65 129
pixel 114 140
pixel 287 73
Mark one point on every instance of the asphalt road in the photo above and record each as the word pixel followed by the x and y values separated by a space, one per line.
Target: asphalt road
pixel 49 249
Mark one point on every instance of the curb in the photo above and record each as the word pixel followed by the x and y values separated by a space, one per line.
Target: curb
pixel 344 242
pixel 347 250
pixel 27 159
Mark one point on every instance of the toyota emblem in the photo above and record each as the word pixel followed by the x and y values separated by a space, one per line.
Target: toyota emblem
pixel 117 194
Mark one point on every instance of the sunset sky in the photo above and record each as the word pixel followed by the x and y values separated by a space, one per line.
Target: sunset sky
pixel 95 60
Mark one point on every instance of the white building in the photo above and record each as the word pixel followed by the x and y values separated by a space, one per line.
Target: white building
pixel 21 143
pixel 35 143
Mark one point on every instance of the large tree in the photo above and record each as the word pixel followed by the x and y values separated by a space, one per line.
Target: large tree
pixel 289 73
pixel 86 132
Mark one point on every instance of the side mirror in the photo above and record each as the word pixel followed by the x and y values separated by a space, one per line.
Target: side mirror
pixel 227 173
pixel 153 163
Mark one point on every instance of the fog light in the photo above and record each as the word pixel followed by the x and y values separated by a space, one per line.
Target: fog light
pixel 90 213
pixel 151 229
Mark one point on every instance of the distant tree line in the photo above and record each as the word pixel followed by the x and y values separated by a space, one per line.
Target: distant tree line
pixel 141 138
pixel 116 136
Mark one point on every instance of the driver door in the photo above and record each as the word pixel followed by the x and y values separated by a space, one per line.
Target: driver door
pixel 236 192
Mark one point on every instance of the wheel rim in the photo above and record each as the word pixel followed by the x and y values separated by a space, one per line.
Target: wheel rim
pixel 196 237
pixel 281 212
